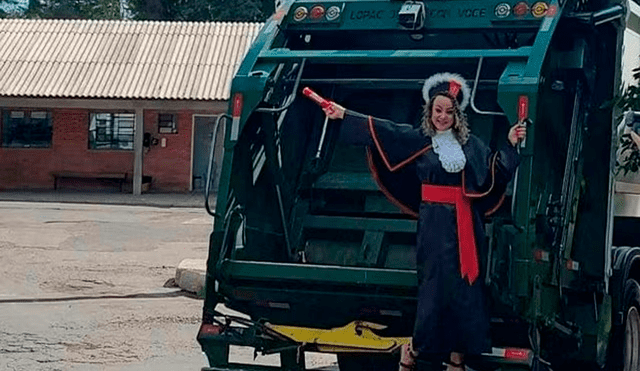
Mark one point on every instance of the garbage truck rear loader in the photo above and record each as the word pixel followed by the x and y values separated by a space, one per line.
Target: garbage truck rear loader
pixel 307 246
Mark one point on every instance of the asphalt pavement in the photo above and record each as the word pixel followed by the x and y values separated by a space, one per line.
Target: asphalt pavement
pixel 82 283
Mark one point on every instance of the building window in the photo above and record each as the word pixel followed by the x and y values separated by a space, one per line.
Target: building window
pixel 26 129
pixel 111 130
pixel 167 123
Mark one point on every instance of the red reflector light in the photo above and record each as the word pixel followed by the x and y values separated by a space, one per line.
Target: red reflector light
pixel 520 9
pixel 317 12
pixel 523 107
pixel 209 329
pixel 573 265
pixel 237 104
pixel 541 255
pixel 517 354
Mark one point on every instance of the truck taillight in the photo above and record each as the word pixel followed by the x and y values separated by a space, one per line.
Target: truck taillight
pixel 238 101
pixel 317 12
pixel 209 329
pixel 520 356
pixel 517 354
pixel 521 9
pixel 523 107
pixel 237 105
pixel 541 256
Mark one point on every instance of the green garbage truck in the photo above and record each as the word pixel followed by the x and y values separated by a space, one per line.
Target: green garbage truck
pixel 308 248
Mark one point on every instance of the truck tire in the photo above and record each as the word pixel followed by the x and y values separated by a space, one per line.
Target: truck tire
pixel 631 337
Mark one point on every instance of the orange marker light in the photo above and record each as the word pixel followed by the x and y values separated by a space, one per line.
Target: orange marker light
pixel 300 14
pixel 539 9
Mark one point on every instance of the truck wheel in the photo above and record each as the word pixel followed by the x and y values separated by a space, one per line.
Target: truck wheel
pixel 631 344
pixel 367 362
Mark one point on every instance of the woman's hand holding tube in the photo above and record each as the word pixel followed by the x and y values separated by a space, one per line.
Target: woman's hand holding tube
pixel 517 133
pixel 331 109
pixel 334 111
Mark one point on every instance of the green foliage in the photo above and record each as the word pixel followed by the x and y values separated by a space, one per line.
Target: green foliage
pixel 11 8
pixel 631 162
pixel 161 10
pixel 631 98
pixel 72 9
pixel 198 10
pixel 629 152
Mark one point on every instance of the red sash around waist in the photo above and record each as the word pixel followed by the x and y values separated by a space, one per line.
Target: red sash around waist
pixel 466 238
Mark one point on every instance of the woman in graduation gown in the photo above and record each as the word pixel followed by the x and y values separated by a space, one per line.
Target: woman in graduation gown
pixel 440 173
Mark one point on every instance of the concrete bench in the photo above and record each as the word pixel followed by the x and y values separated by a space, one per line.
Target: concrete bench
pixel 120 177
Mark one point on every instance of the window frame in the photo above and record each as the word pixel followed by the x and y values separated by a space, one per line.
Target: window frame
pixel 173 129
pixel 46 127
pixel 113 132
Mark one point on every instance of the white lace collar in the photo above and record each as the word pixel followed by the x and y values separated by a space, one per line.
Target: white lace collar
pixel 449 151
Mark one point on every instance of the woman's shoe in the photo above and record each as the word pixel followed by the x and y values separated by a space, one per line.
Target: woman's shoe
pixel 407 358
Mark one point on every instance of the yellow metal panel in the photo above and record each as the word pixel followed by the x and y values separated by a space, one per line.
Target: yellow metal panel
pixel 358 336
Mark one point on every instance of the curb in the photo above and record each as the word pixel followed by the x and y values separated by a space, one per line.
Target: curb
pixel 190 275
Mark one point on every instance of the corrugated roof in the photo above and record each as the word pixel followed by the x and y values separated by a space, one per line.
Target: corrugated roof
pixel 121 59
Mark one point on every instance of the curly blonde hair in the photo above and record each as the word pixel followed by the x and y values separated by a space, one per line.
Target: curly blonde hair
pixel 460 126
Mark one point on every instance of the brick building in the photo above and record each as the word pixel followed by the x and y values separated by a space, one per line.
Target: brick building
pixel 86 103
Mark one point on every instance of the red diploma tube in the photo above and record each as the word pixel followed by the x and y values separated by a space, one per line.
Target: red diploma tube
pixel 523 108
pixel 316 98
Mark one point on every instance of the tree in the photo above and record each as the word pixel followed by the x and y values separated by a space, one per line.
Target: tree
pixel 629 145
pixel 10 8
pixel 199 10
pixel 631 98
pixel 73 9
pixel 160 10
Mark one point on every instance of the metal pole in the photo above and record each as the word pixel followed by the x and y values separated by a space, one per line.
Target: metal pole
pixel 138 135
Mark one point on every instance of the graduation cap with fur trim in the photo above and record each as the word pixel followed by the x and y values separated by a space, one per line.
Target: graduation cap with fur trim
pixel 453 83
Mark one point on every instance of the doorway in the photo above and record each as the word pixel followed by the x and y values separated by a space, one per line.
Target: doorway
pixel 204 126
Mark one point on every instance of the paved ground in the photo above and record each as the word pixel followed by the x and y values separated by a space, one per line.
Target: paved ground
pixel 81 282
pixel 192 199
pixel 81 286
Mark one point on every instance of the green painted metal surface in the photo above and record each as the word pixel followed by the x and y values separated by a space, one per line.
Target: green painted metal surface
pixel 369 224
pixel 316 274
pixel 389 56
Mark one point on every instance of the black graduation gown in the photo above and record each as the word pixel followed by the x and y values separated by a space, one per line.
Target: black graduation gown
pixel 451 314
